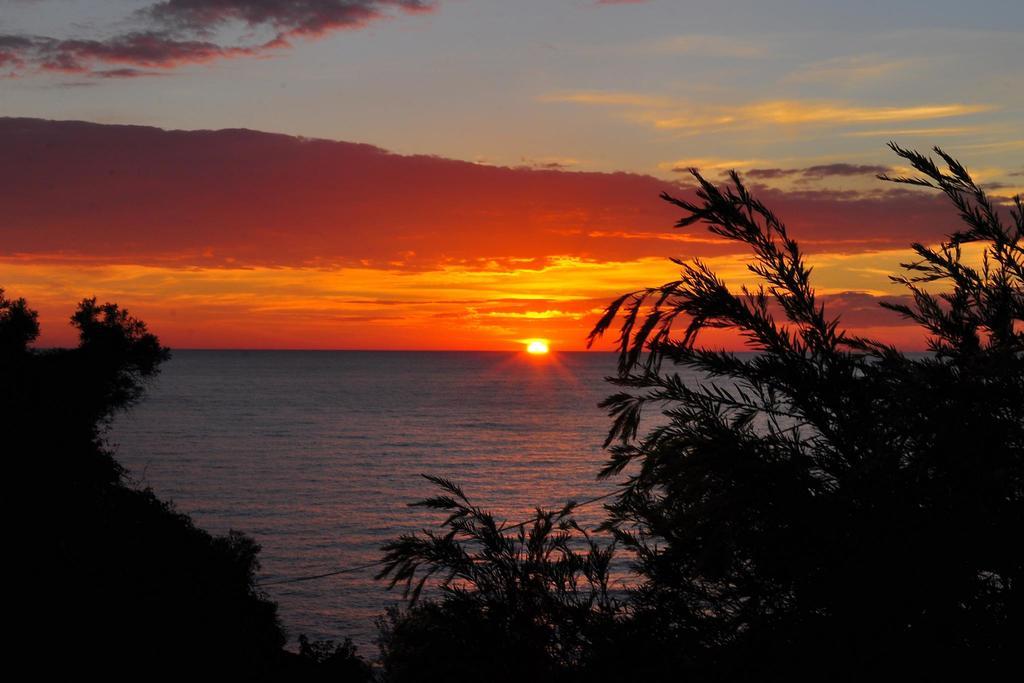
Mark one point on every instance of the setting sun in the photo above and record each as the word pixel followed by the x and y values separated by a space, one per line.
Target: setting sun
pixel 537 346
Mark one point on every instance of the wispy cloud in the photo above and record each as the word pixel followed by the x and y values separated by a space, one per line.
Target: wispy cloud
pixel 853 69
pixel 930 132
pixel 286 17
pixel 611 98
pixel 819 171
pixel 142 49
pixel 810 112
pixel 667 113
pixel 550 163
pixel 709 164
pixel 712 46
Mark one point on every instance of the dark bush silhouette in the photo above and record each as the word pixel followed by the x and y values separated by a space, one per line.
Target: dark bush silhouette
pixel 525 602
pixel 325 660
pixel 829 505
pixel 109 578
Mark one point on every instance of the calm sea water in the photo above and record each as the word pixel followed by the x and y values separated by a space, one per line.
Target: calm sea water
pixel 317 454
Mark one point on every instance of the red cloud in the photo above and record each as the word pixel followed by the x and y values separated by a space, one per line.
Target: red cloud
pixel 131 194
pixel 180 32
pixel 147 49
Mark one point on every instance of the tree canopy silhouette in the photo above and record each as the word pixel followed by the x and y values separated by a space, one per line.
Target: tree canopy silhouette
pixel 108 577
pixel 826 505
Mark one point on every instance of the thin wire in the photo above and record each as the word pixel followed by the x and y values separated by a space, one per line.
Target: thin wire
pixel 378 563
pixel 312 577
pixel 506 526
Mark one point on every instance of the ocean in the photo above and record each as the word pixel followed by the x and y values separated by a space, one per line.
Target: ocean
pixel 317 455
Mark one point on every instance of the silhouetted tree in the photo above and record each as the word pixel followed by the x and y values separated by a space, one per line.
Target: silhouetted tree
pixel 828 506
pixel 19 326
pixel 108 578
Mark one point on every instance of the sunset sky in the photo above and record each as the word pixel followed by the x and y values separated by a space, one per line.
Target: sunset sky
pixel 470 174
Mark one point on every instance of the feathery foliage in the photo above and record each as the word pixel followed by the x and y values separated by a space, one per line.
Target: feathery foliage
pixel 827 503
pixel 532 596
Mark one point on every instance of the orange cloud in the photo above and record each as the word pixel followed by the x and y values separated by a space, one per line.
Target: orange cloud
pixel 666 113
pixel 853 69
pixel 450 308
pixel 797 112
